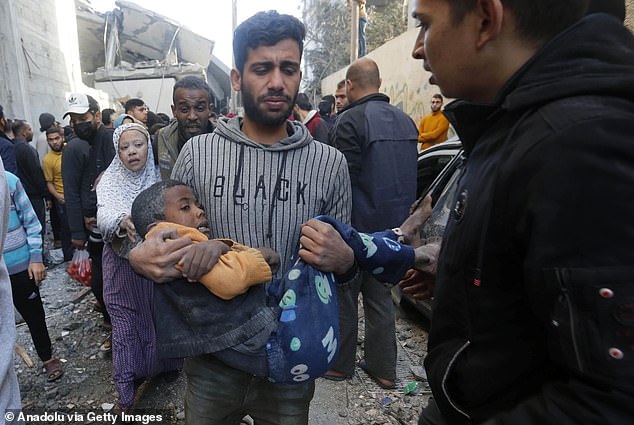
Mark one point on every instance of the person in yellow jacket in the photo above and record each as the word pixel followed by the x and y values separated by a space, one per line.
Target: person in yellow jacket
pixel 433 127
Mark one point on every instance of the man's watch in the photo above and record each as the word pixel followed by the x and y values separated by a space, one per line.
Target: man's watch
pixel 401 236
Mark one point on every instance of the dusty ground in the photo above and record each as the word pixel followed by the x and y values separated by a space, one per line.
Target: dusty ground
pixel 87 385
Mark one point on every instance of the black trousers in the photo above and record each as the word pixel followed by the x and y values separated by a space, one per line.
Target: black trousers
pixel 95 250
pixel 431 415
pixel 56 224
pixel 67 247
pixel 26 299
pixel 39 206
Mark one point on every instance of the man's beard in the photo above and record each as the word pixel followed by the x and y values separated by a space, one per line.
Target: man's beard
pixel 257 115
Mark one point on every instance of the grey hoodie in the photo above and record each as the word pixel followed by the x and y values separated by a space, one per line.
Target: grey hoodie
pixel 257 195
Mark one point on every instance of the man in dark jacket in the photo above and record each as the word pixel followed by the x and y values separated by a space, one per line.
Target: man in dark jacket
pixel 379 143
pixel 29 170
pixel 85 157
pixel 533 303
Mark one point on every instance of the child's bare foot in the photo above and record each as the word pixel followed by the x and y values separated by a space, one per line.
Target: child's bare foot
pixel 411 226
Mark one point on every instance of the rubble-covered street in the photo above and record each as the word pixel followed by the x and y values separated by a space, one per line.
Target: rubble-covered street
pixel 87 385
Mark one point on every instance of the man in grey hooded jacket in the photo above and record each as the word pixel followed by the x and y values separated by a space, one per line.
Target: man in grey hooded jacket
pixel 260 179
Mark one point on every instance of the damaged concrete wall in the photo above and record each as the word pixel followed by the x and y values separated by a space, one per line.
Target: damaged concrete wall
pixel 40 57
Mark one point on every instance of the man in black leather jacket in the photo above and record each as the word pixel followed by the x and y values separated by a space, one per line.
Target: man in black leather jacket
pixel 533 320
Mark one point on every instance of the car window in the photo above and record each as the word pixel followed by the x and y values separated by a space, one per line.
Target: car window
pixel 434 227
pixel 428 170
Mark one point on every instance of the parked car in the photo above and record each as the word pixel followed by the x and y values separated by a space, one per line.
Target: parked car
pixel 433 160
pixel 439 169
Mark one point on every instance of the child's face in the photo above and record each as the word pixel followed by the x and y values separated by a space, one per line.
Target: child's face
pixel 182 207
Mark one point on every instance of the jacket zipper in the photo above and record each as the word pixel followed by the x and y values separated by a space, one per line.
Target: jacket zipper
pixel 571 317
pixel 444 379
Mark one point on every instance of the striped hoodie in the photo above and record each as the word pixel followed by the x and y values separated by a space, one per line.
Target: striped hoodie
pixel 259 196
pixel 23 244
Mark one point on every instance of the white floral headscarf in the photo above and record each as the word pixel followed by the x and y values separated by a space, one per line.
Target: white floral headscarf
pixel 119 186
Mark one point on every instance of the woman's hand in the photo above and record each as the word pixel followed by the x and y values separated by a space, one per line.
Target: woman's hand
pixel 128 226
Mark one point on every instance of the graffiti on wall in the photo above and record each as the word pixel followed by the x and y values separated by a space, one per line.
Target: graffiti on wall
pixel 414 101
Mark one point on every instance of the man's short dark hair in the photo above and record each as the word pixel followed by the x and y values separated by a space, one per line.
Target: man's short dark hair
pixel 55 129
pixel 265 29
pixel 437 96
pixel 133 103
pixel 303 102
pixel 106 114
pixel 17 126
pixel 164 117
pixel 341 84
pixel 192 82
pixel 537 20
pixel 149 205
pixel 326 104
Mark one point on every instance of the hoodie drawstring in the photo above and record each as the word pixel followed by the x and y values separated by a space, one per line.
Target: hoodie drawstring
pixel 276 191
pixel 238 179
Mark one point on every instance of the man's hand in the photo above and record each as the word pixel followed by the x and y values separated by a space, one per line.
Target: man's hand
pixel 418 284
pixel 79 243
pixel 323 248
pixel 420 212
pixel 200 258
pixel 271 257
pixel 37 272
pixel 426 257
pixel 156 257
pixel 90 222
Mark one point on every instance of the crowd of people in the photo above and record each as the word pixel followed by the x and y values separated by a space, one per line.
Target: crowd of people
pixel 216 241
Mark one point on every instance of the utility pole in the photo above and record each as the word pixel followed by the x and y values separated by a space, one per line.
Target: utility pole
pixel 234 24
pixel 354 31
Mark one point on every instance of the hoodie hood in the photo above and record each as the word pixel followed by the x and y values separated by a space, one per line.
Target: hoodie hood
pixel 584 59
pixel 231 128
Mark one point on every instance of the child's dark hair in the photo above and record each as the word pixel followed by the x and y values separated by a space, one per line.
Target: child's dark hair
pixel 149 205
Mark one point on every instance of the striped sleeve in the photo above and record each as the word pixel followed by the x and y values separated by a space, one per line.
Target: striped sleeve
pixel 183 167
pixel 30 222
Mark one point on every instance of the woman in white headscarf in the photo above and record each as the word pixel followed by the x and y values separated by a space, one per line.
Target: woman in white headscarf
pixel 128 296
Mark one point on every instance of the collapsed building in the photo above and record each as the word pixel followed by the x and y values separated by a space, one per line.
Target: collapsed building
pixel 51 48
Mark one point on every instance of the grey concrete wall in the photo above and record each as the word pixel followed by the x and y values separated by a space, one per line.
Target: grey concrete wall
pixel 404 80
pixel 40 58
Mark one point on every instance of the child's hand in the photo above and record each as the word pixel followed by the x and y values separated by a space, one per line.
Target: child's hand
pixel 271 257
pixel 200 258
pixel 37 272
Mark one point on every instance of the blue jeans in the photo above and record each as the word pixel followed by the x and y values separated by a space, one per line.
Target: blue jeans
pixel 220 395
pixel 363 22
